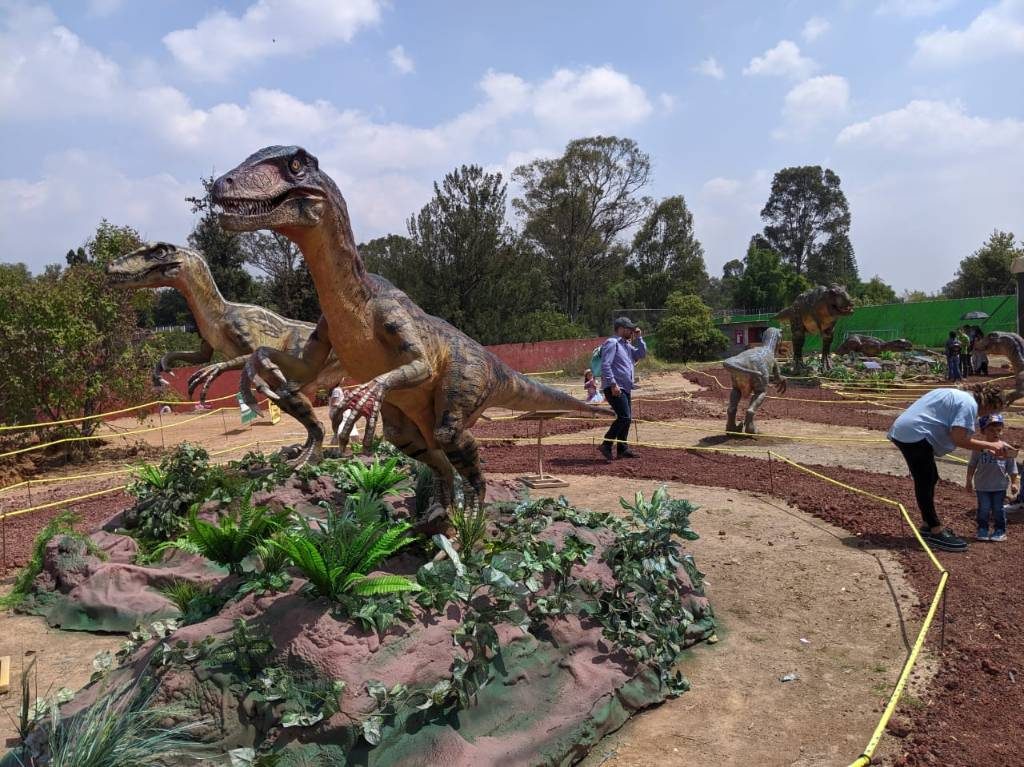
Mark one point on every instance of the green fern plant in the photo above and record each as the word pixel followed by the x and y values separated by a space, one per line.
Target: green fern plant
pixel 337 559
pixel 470 523
pixel 377 480
pixel 234 537
pixel 182 592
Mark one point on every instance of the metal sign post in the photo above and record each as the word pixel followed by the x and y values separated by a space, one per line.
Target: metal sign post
pixel 540 479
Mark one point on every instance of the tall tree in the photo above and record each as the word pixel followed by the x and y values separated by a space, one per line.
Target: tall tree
pixel 767 284
pixel 472 269
pixel 667 257
pixel 574 208
pixel 987 270
pixel 394 257
pixel 874 291
pixel 289 288
pixel 807 222
pixel 222 249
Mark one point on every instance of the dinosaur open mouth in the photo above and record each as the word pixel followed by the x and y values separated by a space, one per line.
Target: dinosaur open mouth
pixel 236 207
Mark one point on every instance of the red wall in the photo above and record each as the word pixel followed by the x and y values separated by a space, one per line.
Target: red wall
pixel 526 358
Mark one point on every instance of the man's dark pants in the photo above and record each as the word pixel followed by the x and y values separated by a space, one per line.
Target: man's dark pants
pixel 619 430
pixel 920 460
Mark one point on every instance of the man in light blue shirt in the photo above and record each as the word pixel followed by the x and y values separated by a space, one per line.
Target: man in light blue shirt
pixel 618 361
pixel 938 423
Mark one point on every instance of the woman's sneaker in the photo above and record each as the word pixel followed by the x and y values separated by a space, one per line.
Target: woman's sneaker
pixel 983 535
pixel 998 537
pixel 947 540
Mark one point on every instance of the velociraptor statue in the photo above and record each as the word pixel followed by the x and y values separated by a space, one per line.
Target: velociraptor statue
pixel 752 371
pixel 1011 346
pixel 426 379
pixel 233 330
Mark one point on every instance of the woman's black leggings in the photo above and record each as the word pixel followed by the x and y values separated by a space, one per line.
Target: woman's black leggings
pixel 920 460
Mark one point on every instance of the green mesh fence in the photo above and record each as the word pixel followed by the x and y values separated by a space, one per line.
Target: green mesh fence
pixel 926 323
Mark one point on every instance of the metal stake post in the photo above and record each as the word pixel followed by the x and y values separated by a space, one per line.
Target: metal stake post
pixel 771 473
pixel 160 415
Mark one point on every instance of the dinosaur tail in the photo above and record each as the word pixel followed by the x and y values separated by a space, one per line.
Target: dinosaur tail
pixel 517 392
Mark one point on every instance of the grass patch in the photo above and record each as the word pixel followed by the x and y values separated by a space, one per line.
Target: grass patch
pixel 62 524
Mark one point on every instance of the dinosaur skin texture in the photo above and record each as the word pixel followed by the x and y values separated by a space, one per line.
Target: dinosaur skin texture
pixel 1011 346
pixel 816 311
pixel 871 346
pixel 752 371
pixel 233 330
pixel 426 379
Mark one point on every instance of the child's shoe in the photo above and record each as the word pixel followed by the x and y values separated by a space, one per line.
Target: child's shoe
pixel 983 535
pixel 998 536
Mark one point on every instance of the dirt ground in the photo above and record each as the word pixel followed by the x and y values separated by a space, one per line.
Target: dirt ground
pixel 780 611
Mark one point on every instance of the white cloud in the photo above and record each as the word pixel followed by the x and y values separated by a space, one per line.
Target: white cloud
pixel 726 211
pixel 720 187
pixel 584 100
pixel 912 8
pixel 222 43
pixel 996 31
pixel 78 189
pixel 784 60
pixel 104 7
pixel 811 103
pixel 710 68
pixel 401 60
pixel 934 128
pixel 667 101
pixel 814 28
pixel 46 69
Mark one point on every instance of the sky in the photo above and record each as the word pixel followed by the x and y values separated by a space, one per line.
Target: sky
pixel 116 108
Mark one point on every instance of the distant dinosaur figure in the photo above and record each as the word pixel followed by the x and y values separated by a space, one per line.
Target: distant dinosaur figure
pixel 752 371
pixel 427 380
pixel 233 330
pixel 870 346
pixel 816 311
pixel 1011 346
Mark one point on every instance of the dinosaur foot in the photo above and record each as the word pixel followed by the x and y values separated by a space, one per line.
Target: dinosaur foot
pixel 434 520
pixel 299 455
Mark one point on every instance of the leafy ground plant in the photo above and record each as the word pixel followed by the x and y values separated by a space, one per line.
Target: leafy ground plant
pixel 337 559
pixel 165 494
pixel 377 480
pixel 119 730
pixel 235 536
pixel 62 524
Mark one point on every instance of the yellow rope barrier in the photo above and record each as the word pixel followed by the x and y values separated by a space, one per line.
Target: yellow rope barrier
pixel 42 424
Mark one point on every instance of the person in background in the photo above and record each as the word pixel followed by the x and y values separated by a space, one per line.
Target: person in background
pixel 618 365
pixel 991 478
pixel 979 359
pixel 590 385
pixel 964 337
pixel 953 357
pixel 938 423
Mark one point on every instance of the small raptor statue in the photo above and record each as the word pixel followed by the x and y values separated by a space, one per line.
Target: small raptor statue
pixel 233 330
pixel 752 371
pixel 816 311
pixel 427 380
pixel 1011 346
pixel 869 346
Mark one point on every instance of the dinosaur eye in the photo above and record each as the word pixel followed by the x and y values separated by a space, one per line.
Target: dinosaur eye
pixel 295 165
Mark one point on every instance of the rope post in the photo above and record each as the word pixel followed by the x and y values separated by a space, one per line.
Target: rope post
pixel 3 542
pixel 224 423
pixel 942 632
pixel 28 484
pixel 160 415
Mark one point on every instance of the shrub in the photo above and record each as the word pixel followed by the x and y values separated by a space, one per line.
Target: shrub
pixel 336 559
pixel 548 325
pixel 165 494
pixel 376 480
pixel 236 534
pixel 687 331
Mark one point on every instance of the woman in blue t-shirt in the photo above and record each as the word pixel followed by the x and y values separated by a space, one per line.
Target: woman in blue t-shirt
pixel 938 423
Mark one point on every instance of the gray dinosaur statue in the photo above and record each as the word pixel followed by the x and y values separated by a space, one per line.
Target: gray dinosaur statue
pixel 752 371
pixel 870 346
pixel 1011 346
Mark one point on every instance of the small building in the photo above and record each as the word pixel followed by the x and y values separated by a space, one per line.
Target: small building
pixel 745 330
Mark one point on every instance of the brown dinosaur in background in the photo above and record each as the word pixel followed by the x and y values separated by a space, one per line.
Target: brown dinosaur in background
pixel 870 346
pixel 816 311
pixel 233 330
pixel 426 379
pixel 1011 346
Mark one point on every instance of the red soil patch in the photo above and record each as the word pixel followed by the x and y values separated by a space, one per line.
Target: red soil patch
pixel 976 700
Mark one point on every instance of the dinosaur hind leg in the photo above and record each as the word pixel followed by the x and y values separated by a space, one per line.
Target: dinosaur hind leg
pixel 280 376
pixel 401 432
pixel 734 404
pixel 755 403
pixel 464 455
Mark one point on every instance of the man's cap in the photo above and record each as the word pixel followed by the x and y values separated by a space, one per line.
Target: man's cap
pixel 987 419
pixel 625 322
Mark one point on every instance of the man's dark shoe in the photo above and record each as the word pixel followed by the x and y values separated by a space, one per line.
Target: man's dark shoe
pixel 606 451
pixel 947 540
pixel 627 453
